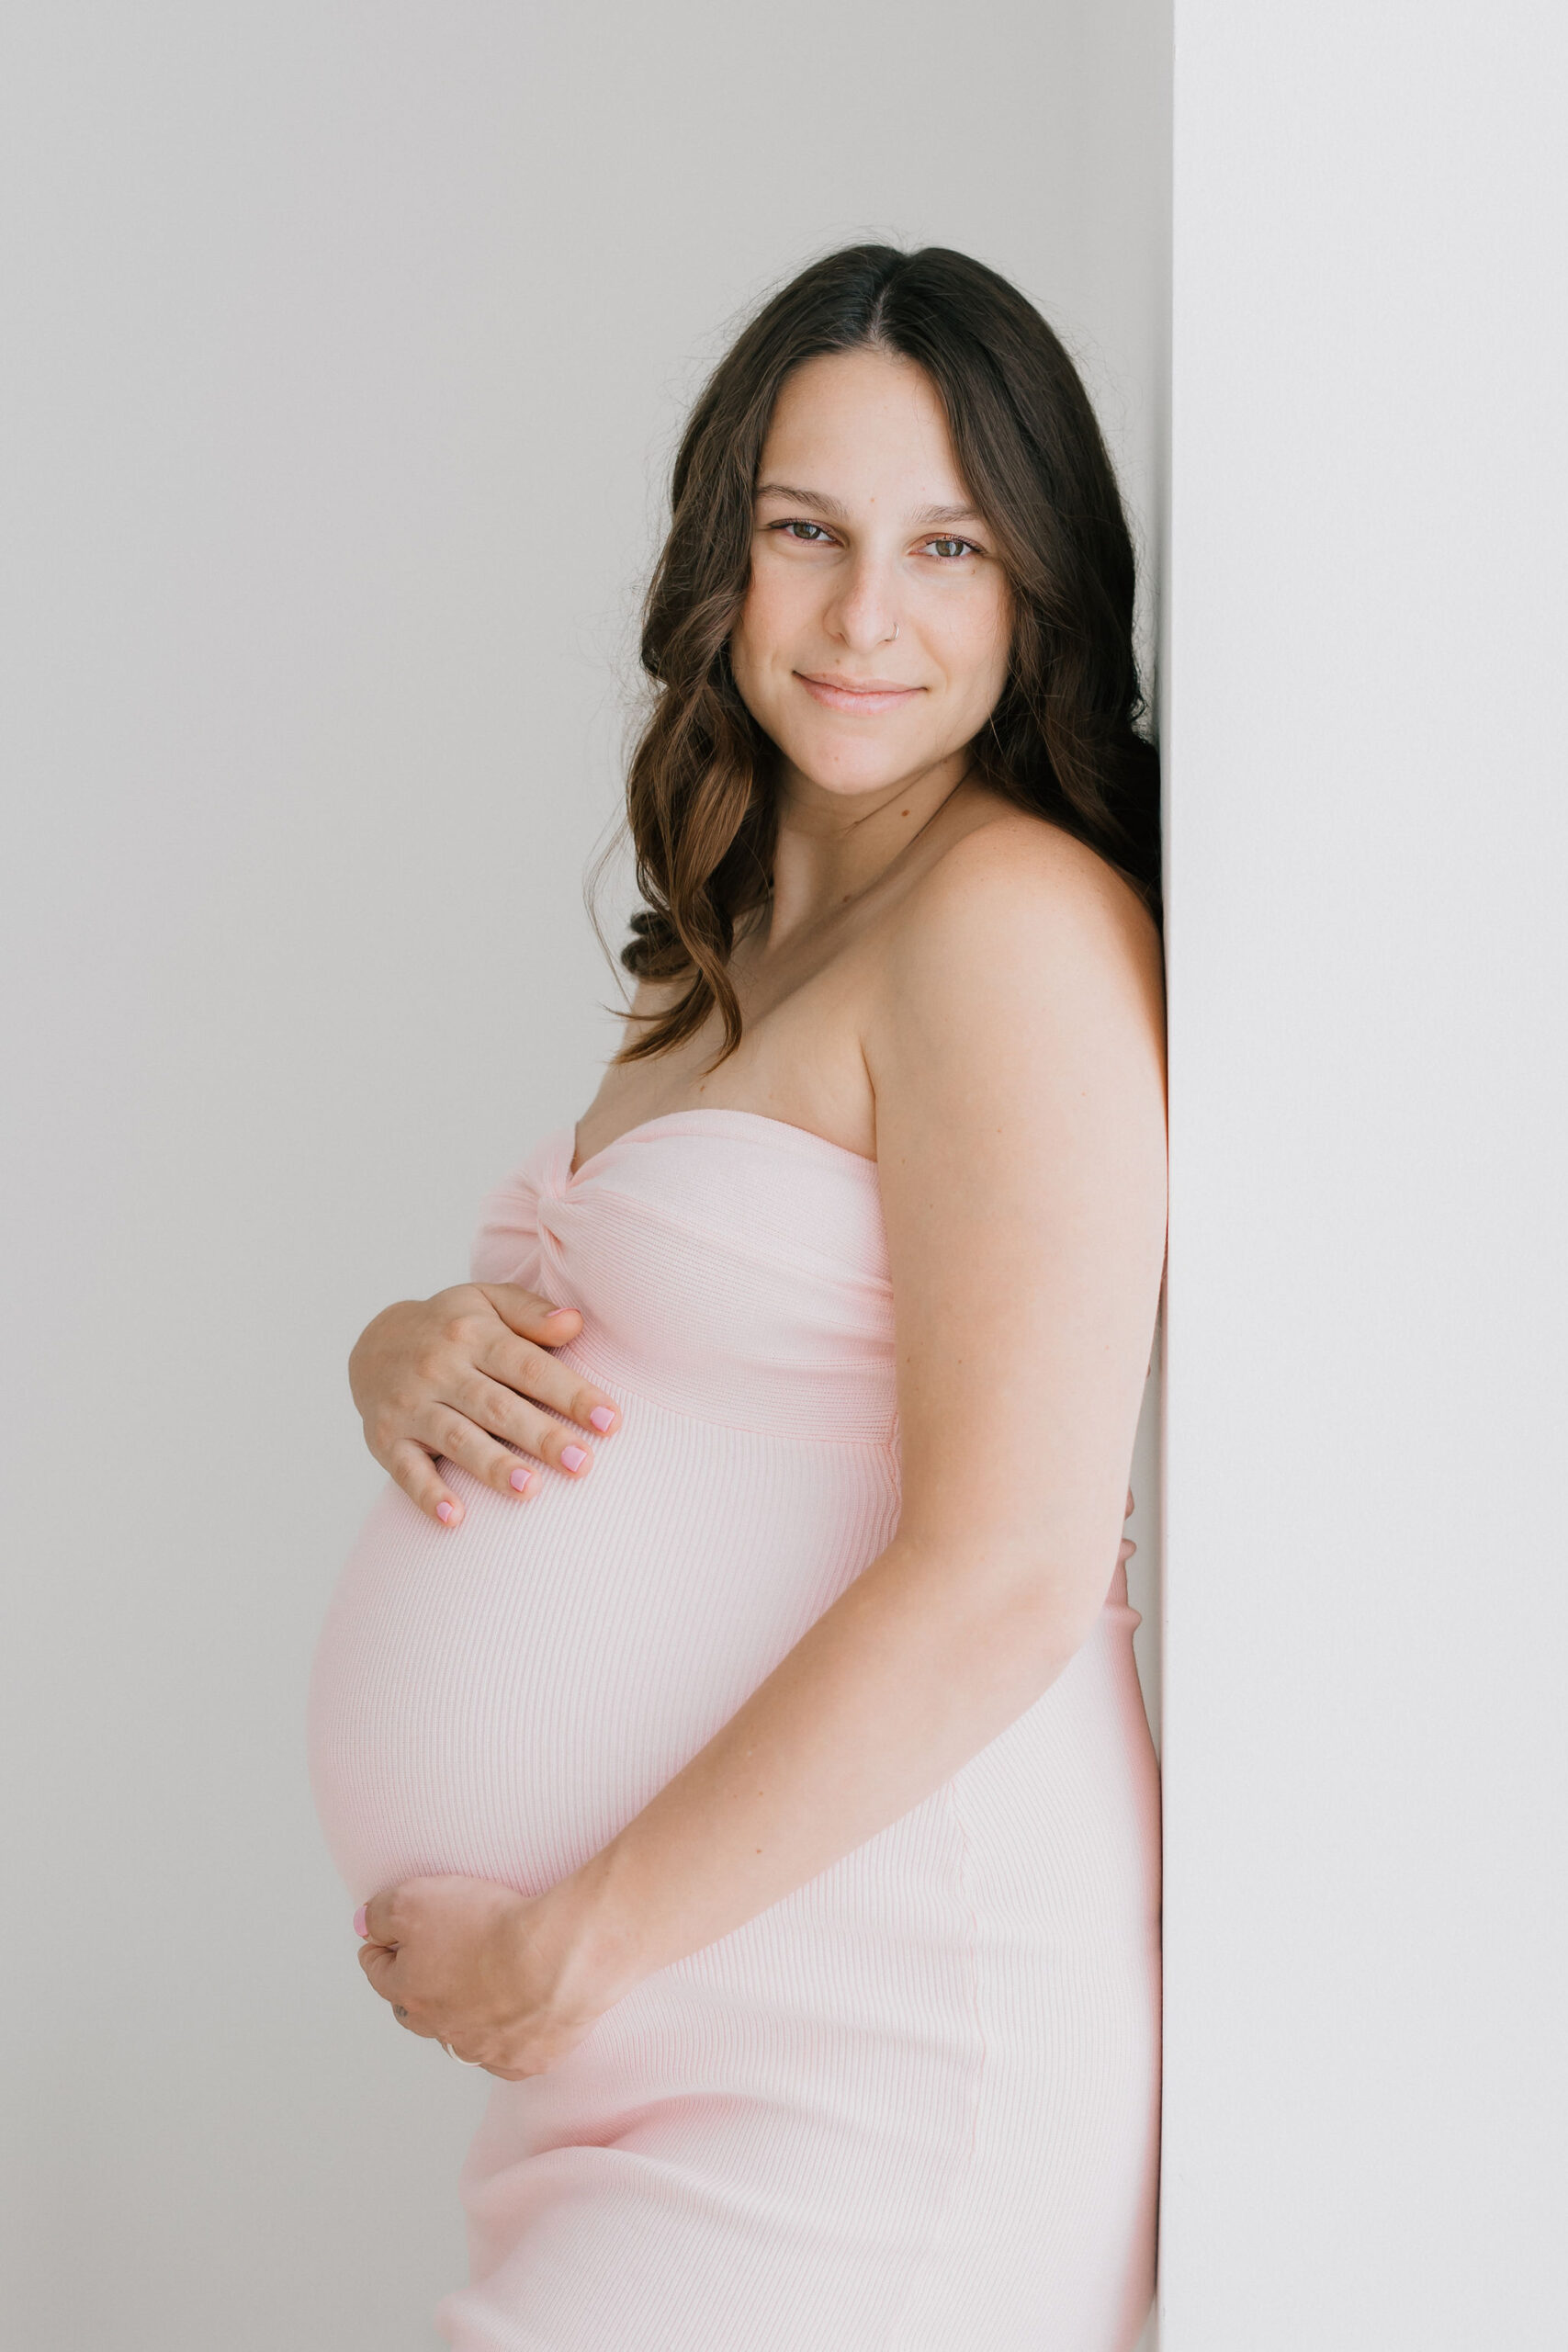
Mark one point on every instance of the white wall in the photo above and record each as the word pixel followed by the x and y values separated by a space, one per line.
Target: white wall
pixel 1366 1614
pixel 346 346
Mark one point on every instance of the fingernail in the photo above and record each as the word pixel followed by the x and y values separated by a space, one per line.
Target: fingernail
pixel 362 1922
pixel 444 1510
pixel 563 1310
pixel 572 1457
pixel 520 1478
pixel 600 1416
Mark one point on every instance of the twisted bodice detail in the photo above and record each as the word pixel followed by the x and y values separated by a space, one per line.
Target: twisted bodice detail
pixel 706 1283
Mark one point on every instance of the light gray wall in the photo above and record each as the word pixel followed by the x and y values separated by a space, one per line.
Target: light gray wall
pixel 1365 1780
pixel 346 346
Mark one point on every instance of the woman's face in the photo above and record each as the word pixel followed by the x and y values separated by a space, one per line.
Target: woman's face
pixel 873 643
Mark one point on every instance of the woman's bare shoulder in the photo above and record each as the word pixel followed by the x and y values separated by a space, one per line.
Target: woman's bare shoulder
pixel 1023 986
pixel 1017 886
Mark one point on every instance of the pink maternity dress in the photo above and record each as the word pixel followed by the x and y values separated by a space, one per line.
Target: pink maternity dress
pixel 914 2106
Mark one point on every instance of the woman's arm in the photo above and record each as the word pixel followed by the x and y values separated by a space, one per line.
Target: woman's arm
pixel 1018 1072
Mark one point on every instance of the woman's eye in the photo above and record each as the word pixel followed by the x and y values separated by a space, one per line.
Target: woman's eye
pixel 948 549
pixel 809 532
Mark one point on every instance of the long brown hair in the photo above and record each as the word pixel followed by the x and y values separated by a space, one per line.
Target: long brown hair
pixel 1063 739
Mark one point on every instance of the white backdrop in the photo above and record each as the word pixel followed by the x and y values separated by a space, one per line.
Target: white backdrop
pixel 1366 2004
pixel 346 348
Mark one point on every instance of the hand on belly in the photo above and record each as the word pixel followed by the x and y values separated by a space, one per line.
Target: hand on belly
pixel 500 1978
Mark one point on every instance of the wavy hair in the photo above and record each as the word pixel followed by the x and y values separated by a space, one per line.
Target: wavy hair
pixel 1063 738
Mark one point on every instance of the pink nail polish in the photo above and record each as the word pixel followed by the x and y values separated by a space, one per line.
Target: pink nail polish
pixel 361 1923
pixel 600 1416
pixel 521 1476
pixel 444 1511
pixel 572 1457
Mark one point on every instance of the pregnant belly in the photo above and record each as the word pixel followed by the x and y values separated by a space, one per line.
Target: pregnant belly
pixel 501 1698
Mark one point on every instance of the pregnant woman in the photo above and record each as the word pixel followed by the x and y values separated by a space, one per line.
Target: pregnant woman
pixel 727 1719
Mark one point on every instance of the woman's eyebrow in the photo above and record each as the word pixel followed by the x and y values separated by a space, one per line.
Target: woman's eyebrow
pixel 817 498
pixel 836 507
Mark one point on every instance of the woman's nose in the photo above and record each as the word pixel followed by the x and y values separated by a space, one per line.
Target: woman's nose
pixel 864 614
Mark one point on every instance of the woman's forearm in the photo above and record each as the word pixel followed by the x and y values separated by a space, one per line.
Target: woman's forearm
pixel 912 1670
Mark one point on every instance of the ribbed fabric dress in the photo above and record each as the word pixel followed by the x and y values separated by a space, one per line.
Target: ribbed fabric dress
pixel 914 2106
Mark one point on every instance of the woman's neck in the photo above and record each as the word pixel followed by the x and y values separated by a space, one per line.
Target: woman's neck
pixel 831 848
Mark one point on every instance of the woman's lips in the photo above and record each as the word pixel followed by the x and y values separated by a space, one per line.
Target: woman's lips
pixel 863 696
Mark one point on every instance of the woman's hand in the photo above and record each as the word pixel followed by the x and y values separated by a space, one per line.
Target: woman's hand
pixel 499 1979
pixel 452 1374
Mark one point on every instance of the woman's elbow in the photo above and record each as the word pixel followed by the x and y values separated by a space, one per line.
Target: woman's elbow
pixel 1035 1611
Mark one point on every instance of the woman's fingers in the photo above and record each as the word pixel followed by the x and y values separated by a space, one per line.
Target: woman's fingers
pixel 381 1917
pixel 531 1316
pixel 378 1952
pixel 382 1968
pixel 443 1432
pixel 459 1428
pixel 415 1473
pixel 515 1351
pixel 531 1372
pixel 469 1377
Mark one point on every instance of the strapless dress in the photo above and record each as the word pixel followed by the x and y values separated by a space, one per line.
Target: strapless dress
pixel 914 2105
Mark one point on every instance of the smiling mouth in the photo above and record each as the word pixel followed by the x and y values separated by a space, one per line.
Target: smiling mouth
pixel 861 695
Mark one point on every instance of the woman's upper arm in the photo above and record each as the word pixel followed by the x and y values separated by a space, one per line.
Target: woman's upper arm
pixel 1018 1062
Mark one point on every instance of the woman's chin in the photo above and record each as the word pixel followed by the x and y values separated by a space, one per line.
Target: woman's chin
pixel 853 769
